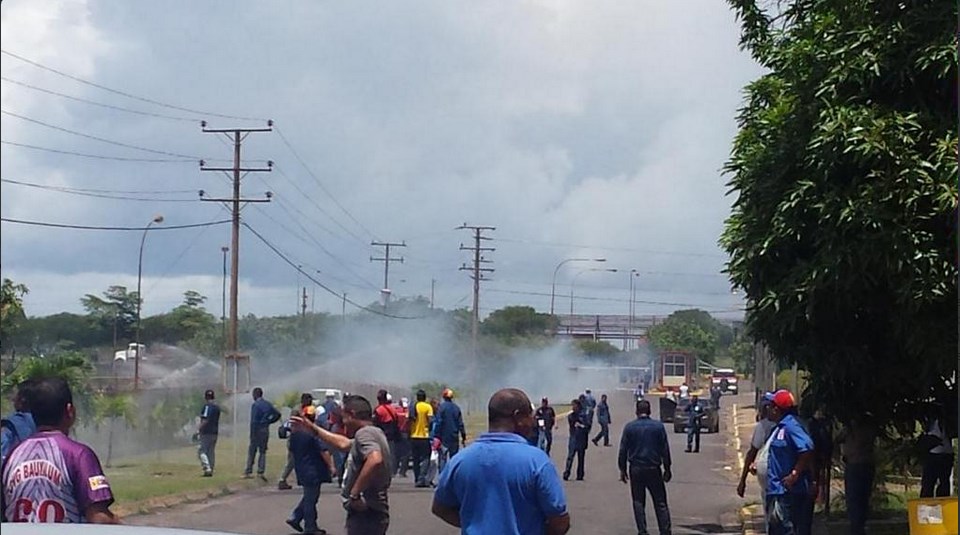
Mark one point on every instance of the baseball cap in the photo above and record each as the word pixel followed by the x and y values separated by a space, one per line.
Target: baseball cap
pixel 784 399
pixel 208 394
pixel 767 398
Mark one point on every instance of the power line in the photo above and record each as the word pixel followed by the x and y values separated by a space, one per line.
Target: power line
pixel 95 227
pixel 607 248
pixel 319 207
pixel 118 191
pixel 588 298
pixel 125 94
pixel 322 187
pixel 71 191
pixel 95 103
pixel 96 138
pixel 98 156
pixel 332 292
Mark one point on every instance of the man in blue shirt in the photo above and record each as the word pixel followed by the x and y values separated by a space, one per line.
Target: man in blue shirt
pixel 789 465
pixel 501 484
pixel 208 432
pixel 262 414
pixel 603 418
pixel 450 427
pixel 314 466
pixel 695 412
pixel 644 445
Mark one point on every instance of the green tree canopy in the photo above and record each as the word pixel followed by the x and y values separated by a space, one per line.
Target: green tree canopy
pixel 514 322
pixel 116 304
pixel 11 307
pixel 682 332
pixel 842 234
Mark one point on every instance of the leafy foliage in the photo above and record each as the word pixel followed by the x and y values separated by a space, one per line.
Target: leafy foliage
pixel 514 323
pixel 688 330
pixel 11 307
pixel 843 231
pixel 116 304
pixel 592 348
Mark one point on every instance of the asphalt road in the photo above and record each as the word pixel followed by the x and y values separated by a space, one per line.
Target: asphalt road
pixel 702 495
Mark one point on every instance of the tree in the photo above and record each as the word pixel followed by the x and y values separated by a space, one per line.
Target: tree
pixel 11 308
pixel 72 366
pixel 843 232
pixel 509 324
pixel 596 348
pixel 185 322
pixel 681 333
pixel 117 304
pixel 113 407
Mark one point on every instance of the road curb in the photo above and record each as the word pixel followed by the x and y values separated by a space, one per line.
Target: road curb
pixel 152 505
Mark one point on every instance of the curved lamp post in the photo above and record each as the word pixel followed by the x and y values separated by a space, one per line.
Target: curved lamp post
pixel 553 285
pixel 136 360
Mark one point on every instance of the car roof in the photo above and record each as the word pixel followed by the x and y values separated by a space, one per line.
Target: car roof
pixel 14 528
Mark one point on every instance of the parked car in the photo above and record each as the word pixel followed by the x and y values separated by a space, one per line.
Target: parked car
pixel 710 420
pixel 726 379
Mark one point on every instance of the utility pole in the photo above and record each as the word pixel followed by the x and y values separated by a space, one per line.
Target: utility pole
pixel 477 270
pixel 343 309
pixel 433 289
pixel 386 259
pixel 234 203
pixel 303 305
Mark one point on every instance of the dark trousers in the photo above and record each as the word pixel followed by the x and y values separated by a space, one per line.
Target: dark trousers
pixel 643 479
pixel 367 523
pixel 789 514
pixel 447 451
pixel 858 485
pixel 420 448
pixel 403 454
pixel 604 434
pixel 935 479
pixel 258 444
pixel 288 468
pixel 306 510
pixel 576 447
pixel 693 435
pixel 207 451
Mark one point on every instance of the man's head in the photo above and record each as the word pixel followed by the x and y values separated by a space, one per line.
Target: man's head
pixel 643 408
pixel 576 404
pixel 603 397
pixel 509 410
pixel 306 398
pixel 52 404
pixel 382 396
pixel 26 393
pixel 421 395
pixel 447 394
pixel 357 413
pixel 209 395
pixel 587 391
pixel 544 402
pixel 257 393
pixel 783 404
pixel 695 397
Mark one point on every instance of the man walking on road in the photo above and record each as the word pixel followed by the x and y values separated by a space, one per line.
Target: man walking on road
pixel 420 438
pixel 603 418
pixel 644 447
pixel 577 443
pixel 367 477
pixel 500 485
pixel 385 417
pixel 314 466
pixel 694 420
pixel 546 419
pixel 761 432
pixel 208 432
pixel 449 428
pixel 262 414
pixel 789 466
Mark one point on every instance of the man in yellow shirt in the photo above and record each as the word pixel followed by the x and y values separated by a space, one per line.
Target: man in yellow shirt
pixel 422 416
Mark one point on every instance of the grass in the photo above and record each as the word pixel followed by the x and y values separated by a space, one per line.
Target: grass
pixel 177 470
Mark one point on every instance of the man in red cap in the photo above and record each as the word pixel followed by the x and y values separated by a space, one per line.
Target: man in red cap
pixel 789 470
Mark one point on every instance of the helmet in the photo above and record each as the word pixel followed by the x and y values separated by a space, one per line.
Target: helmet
pixel 783 399
pixel 389 398
pixel 448 393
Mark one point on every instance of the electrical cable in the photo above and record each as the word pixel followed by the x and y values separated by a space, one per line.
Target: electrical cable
pixel 128 95
pixel 71 191
pixel 98 156
pixel 606 248
pixel 95 227
pixel 118 191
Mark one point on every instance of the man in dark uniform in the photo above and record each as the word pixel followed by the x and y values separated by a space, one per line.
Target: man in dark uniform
pixel 644 446
pixel 603 418
pixel 577 443
pixel 695 412
pixel 546 419
pixel 208 432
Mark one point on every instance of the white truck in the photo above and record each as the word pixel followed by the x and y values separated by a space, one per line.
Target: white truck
pixel 131 352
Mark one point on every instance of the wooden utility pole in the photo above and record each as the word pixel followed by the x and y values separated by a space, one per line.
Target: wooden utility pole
pixel 386 259
pixel 234 203
pixel 303 305
pixel 477 271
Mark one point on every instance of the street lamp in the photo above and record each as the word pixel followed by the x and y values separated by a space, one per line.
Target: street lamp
pixel 575 277
pixel 633 310
pixel 553 285
pixel 136 361
pixel 223 297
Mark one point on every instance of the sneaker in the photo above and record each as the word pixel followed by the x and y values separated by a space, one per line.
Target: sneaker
pixel 262 477
pixel 208 474
pixel 295 525
pixel 594 442
pixel 247 476
pixel 283 485
pixel 566 476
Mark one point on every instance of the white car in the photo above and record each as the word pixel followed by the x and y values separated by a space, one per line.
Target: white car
pixel 320 395
pixel 726 379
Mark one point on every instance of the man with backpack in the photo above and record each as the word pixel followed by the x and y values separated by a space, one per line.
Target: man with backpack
pixel 385 417
pixel 19 425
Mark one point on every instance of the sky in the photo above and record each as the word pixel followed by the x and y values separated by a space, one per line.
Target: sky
pixel 577 129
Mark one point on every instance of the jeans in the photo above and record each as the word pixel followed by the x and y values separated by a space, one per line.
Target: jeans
pixel 858 485
pixel 545 440
pixel 789 514
pixel 306 510
pixel 420 448
pixel 643 479
pixel 604 434
pixel 258 443
pixel 367 523
pixel 693 435
pixel 288 468
pixel 575 447
pixel 935 479
pixel 207 451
